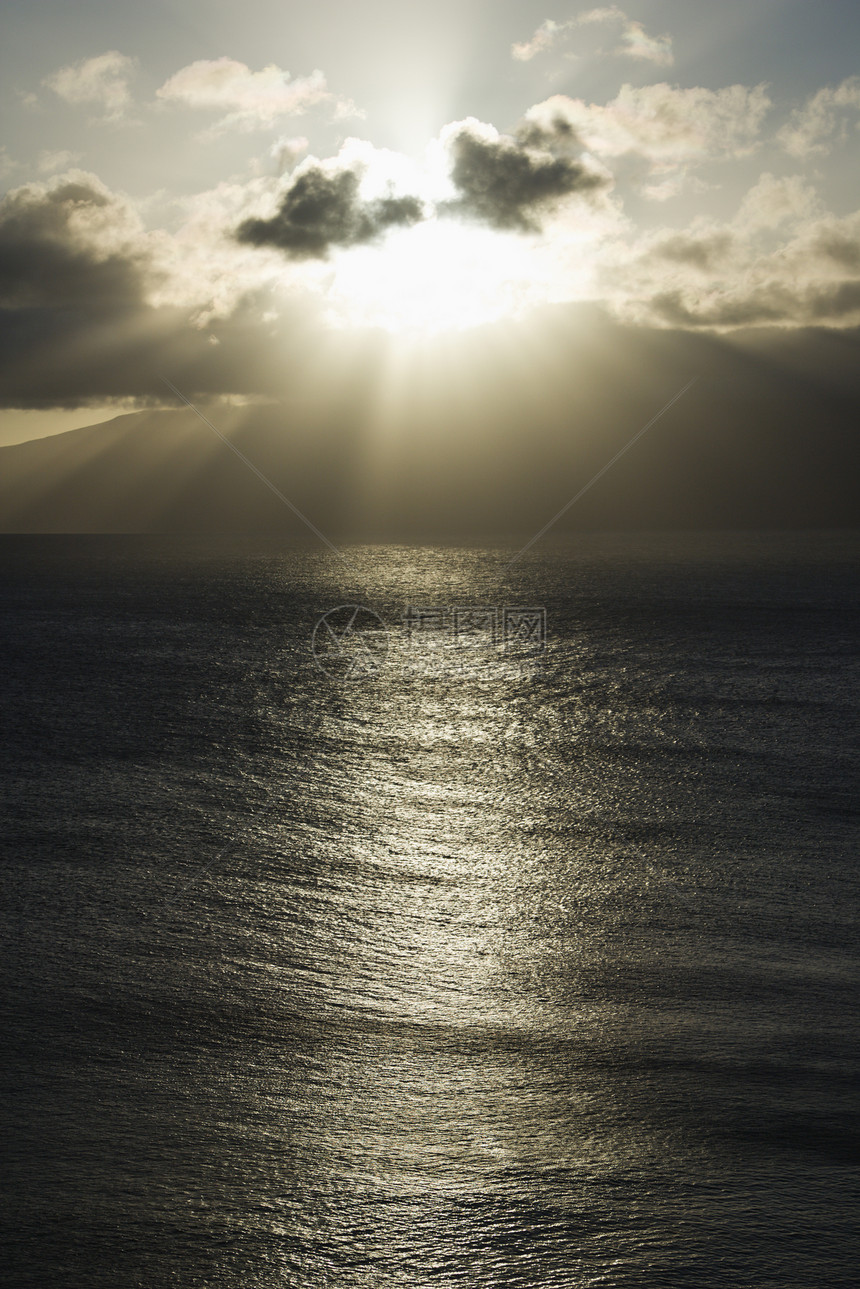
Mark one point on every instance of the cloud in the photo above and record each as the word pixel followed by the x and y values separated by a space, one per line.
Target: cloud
pixel 771 304
pixel 547 35
pixel 286 151
pixel 251 100
pixel 48 161
pixel 765 306
pixel 781 261
pixel 507 182
pixel 93 307
pixel 679 180
pixel 773 202
pixel 73 271
pixel 811 128
pixel 92 304
pixel 667 125
pixel 322 208
pixel 634 41
pixel 704 252
pixel 102 80
pixel 842 248
pixel 72 243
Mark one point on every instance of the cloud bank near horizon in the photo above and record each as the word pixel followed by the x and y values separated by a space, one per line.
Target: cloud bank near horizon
pixel 602 203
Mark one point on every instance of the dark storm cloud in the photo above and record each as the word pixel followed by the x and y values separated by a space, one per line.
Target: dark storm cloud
pixel 44 259
pixel 508 183
pixel 75 323
pixel 320 210
pixel 72 284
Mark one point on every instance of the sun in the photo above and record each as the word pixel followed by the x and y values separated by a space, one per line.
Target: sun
pixel 440 275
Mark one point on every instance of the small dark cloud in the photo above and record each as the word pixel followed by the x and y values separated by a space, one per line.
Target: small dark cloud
pixel 503 182
pixel 843 250
pixel 508 183
pixel 699 252
pixel 559 135
pixel 320 210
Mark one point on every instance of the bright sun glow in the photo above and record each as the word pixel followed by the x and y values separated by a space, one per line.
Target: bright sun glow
pixel 438 276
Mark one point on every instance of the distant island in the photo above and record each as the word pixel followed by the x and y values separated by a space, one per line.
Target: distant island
pixel 768 437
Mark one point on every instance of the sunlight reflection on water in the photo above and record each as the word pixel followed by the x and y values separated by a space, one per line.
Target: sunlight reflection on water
pixel 515 977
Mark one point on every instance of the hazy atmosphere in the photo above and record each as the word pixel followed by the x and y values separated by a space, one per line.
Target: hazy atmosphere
pixel 430 638
pixel 378 239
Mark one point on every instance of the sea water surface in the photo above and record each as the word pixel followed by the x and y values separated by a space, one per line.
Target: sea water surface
pixel 457 963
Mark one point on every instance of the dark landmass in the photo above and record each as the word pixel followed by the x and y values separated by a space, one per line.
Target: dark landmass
pixel 493 437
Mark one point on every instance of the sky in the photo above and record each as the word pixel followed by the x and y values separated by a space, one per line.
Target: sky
pixel 247 199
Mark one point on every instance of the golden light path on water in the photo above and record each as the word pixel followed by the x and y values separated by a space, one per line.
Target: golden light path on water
pixel 445 960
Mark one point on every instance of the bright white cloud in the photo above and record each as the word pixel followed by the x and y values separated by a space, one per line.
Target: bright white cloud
pixel 286 151
pixel 200 267
pixel 547 34
pixel 665 124
pixel 102 80
pixel 678 181
pixel 250 99
pixel 634 41
pixel 774 202
pixel 811 128
pixel 779 259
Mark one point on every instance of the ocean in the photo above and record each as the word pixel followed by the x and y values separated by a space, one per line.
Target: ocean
pixel 411 920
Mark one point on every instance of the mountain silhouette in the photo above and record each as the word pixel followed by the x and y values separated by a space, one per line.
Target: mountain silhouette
pixel 767 437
